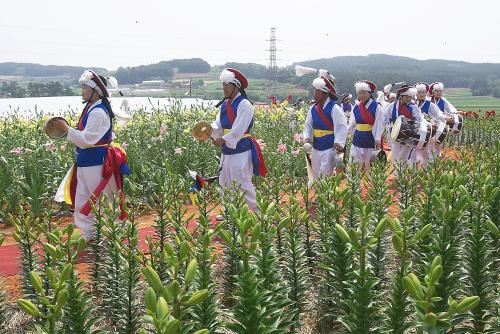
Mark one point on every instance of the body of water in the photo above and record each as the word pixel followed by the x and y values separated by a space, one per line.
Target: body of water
pixel 59 104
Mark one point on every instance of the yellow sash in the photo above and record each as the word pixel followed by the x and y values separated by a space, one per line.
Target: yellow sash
pixel 321 133
pixel 112 144
pixel 364 127
pixel 67 185
pixel 246 135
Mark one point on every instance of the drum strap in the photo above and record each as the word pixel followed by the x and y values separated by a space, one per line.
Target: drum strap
pixel 323 117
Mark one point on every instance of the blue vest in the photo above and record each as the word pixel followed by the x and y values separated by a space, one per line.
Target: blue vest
pixel 93 156
pixel 325 142
pixel 440 104
pixel 346 107
pixel 395 112
pixel 426 107
pixel 364 139
pixel 244 144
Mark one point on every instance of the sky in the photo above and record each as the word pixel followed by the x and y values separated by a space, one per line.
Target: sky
pixel 111 33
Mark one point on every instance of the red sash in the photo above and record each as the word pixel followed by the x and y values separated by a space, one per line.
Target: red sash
pixel 367 117
pixel 85 110
pixel 403 110
pixel 321 114
pixel 115 157
pixel 262 164
pixel 230 112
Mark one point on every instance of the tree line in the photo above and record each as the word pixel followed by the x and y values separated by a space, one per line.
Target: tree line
pixel 34 89
pixel 482 79
pixel 163 70
pixel 125 75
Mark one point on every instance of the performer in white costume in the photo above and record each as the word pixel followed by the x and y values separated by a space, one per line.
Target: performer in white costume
pixel 436 93
pixel 241 155
pixel 436 116
pixel 404 106
pixel 366 124
pixel 325 128
pixel 99 166
pixel 346 104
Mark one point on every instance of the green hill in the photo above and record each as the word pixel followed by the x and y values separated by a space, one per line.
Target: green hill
pixel 37 70
pixel 383 69
pixel 483 79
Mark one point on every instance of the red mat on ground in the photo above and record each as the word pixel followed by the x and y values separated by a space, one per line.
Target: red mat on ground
pixel 10 255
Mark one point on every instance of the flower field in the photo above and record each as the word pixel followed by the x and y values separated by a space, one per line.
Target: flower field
pixel 355 254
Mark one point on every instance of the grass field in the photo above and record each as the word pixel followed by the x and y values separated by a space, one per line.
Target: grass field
pixel 462 99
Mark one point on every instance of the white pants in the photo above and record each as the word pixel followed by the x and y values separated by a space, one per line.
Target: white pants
pixel 238 168
pixel 429 153
pixel 434 151
pixel 88 178
pixel 401 154
pixel 361 156
pixel 322 163
pixel 420 156
pixel 388 143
